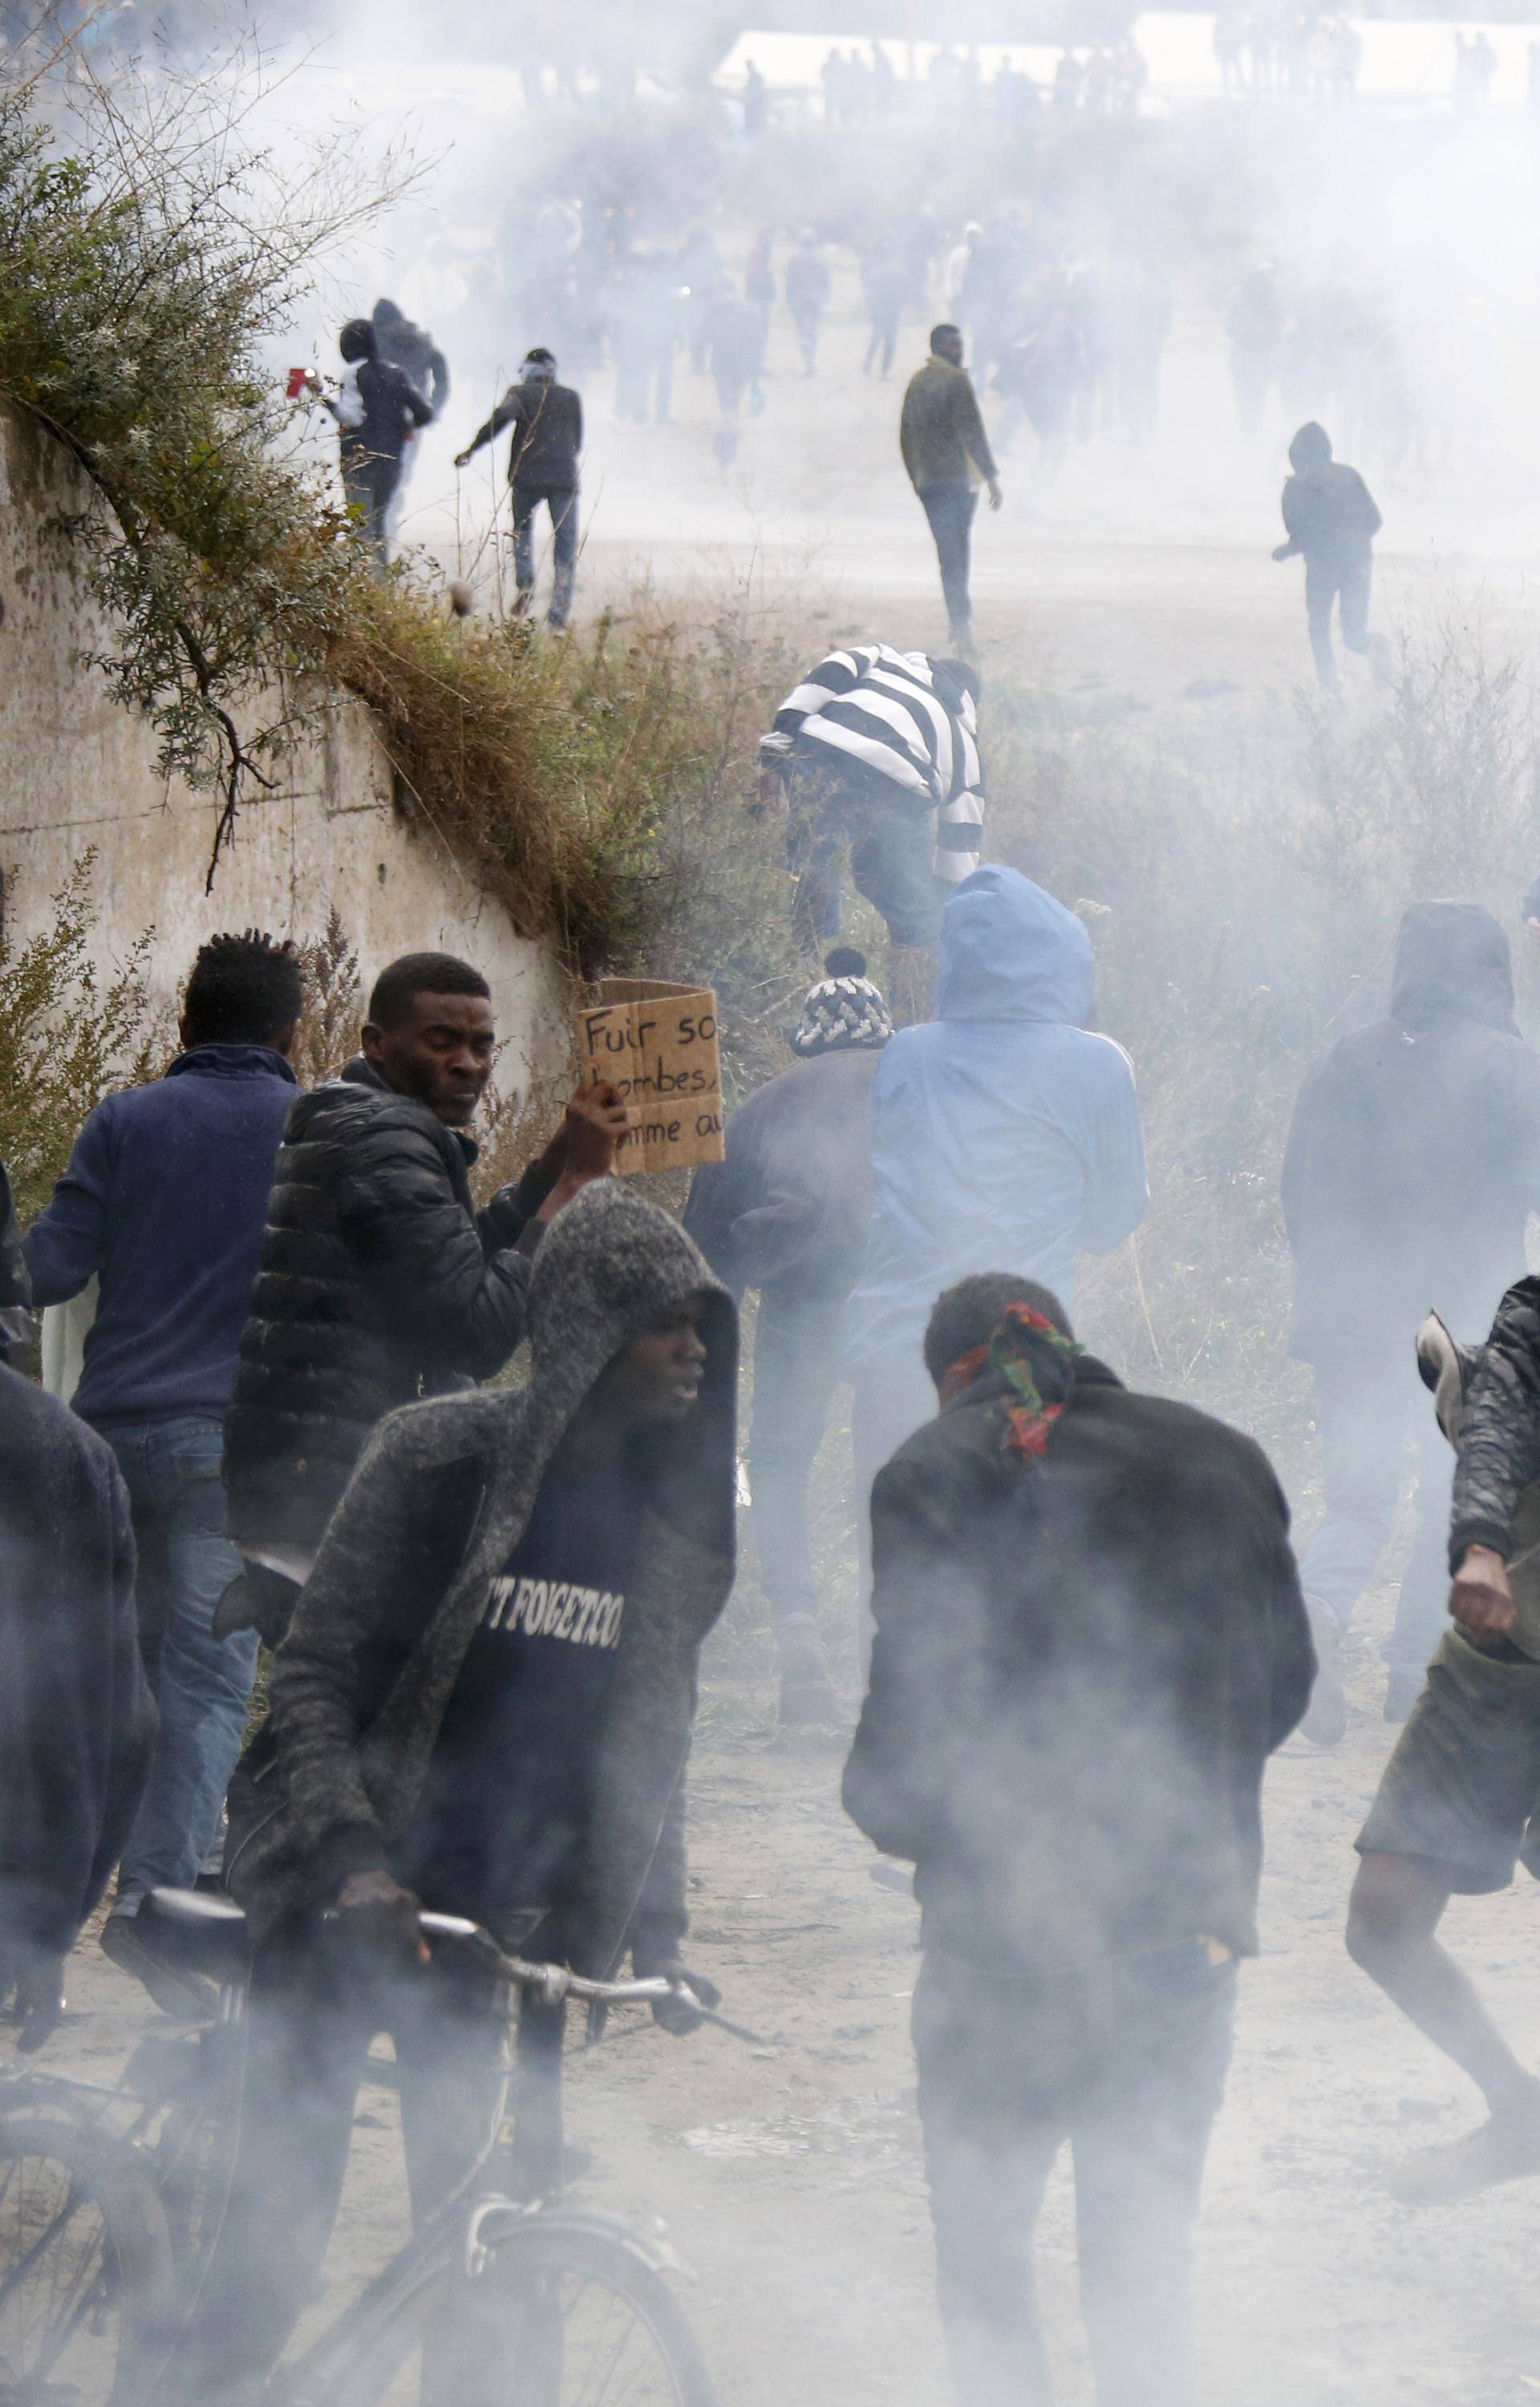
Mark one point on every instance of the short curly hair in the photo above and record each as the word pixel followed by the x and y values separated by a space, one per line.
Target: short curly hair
pixel 968 1314
pixel 244 990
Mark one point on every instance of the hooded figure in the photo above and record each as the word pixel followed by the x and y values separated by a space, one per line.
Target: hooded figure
pixel 411 346
pixel 787 1212
pixel 1005 1136
pixel 484 1702
pixel 379 410
pixel 1330 518
pixel 1412 1164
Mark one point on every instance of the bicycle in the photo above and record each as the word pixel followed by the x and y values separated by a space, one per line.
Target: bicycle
pixel 504 2299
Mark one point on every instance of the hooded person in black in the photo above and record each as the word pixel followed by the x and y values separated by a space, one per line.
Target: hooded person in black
pixel 377 412
pixel 484 1704
pixel 788 1211
pixel 404 345
pixel 1330 518
pixel 1412 1164
pixel 1089 1639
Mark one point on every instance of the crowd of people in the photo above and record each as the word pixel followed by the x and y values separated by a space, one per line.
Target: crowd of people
pixel 1083 1627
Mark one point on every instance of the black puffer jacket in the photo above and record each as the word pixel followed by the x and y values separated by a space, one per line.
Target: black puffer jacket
pixel 380 1283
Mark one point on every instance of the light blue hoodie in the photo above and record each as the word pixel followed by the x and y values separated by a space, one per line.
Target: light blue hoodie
pixel 1004 1136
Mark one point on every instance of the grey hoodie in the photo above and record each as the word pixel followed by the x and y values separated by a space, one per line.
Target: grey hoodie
pixel 439 1500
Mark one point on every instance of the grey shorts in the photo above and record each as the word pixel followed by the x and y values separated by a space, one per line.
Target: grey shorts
pixel 1463 1786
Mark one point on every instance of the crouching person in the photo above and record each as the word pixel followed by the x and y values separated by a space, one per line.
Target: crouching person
pixel 484 1704
pixel 1089 1639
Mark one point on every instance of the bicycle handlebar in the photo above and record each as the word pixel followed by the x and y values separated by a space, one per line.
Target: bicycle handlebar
pixel 554 1983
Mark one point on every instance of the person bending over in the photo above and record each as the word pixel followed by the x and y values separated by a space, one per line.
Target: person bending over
pixel 1089 1639
pixel 483 1704
pixel 1458 1806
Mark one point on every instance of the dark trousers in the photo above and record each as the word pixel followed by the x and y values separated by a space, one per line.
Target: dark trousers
pixel 562 501
pixel 1127 2062
pixel 368 486
pixel 796 1344
pixel 314 2006
pixel 950 509
pixel 882 341
pixel 892 849
pixel 893 1398
pixel 808 323
pixel 1347 583
pixel 1362 1411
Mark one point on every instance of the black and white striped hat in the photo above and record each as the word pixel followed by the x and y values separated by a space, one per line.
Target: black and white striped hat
pixel 844 1011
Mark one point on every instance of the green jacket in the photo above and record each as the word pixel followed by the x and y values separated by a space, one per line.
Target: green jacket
pixel 942 431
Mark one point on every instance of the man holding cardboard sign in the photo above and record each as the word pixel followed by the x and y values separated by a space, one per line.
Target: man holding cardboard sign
pixel 656 1045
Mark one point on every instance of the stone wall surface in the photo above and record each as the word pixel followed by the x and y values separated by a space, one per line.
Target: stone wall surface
pixel 78 775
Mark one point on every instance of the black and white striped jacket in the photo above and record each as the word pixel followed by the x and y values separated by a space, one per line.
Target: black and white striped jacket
pixel 879 708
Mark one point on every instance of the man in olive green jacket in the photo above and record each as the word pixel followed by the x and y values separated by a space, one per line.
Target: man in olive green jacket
pixel 946 451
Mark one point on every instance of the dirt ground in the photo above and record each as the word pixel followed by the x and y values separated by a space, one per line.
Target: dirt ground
pixel 1146 574
pixel 790 2177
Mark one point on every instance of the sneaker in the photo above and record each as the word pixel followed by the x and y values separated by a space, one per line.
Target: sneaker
pixel 186 1997
pixel 1505 2149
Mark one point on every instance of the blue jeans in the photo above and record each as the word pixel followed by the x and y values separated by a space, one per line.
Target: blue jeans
pixel 562 501
pixel 892 848
pixel 201 1685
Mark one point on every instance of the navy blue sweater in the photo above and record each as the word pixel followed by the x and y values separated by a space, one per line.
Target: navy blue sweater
pixel 164 1199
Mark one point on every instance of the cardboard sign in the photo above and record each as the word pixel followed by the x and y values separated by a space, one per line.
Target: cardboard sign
pixel 657 1043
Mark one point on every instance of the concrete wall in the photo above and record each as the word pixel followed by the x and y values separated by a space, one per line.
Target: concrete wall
pixel 78 775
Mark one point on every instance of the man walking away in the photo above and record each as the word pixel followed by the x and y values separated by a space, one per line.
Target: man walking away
pixel 378 1280
pixel 1458 1807
pixel 377 412
pixel 1089 1640
pixel 862 753
pixel 485 1702
pixel 787 1213
pixel 162 1202
pixel 735 348
pixel 403 344
pixel 1379 1229
pixel 807 295
pixel 946 453
pixel 1330 518
pixel 77 1723
pixel 1003 1132
pixel 546 418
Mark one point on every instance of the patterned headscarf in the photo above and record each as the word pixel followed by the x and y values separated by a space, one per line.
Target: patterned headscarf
pixel 845 1010
pixel 1031 1355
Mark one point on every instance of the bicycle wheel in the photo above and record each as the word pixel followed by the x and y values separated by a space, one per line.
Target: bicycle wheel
pixel 565 2314
pixel 85 2264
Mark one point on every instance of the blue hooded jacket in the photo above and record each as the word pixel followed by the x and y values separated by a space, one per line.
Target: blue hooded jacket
pixel 1004 1136
pixel 164 1199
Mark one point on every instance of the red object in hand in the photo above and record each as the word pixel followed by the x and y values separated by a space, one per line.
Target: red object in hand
pixel 298 380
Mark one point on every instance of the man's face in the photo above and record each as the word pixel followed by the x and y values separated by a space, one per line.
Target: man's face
pixel 657 1377
pixel 440 1052
pixel 950 347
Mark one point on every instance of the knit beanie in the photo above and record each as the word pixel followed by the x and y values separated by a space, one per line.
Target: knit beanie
pixel 844 1011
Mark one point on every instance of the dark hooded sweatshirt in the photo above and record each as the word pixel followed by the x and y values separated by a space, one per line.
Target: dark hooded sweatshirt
pixel 1414 1157
pixel 1081 1665
pixel 413 1567
pixel 1328 509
